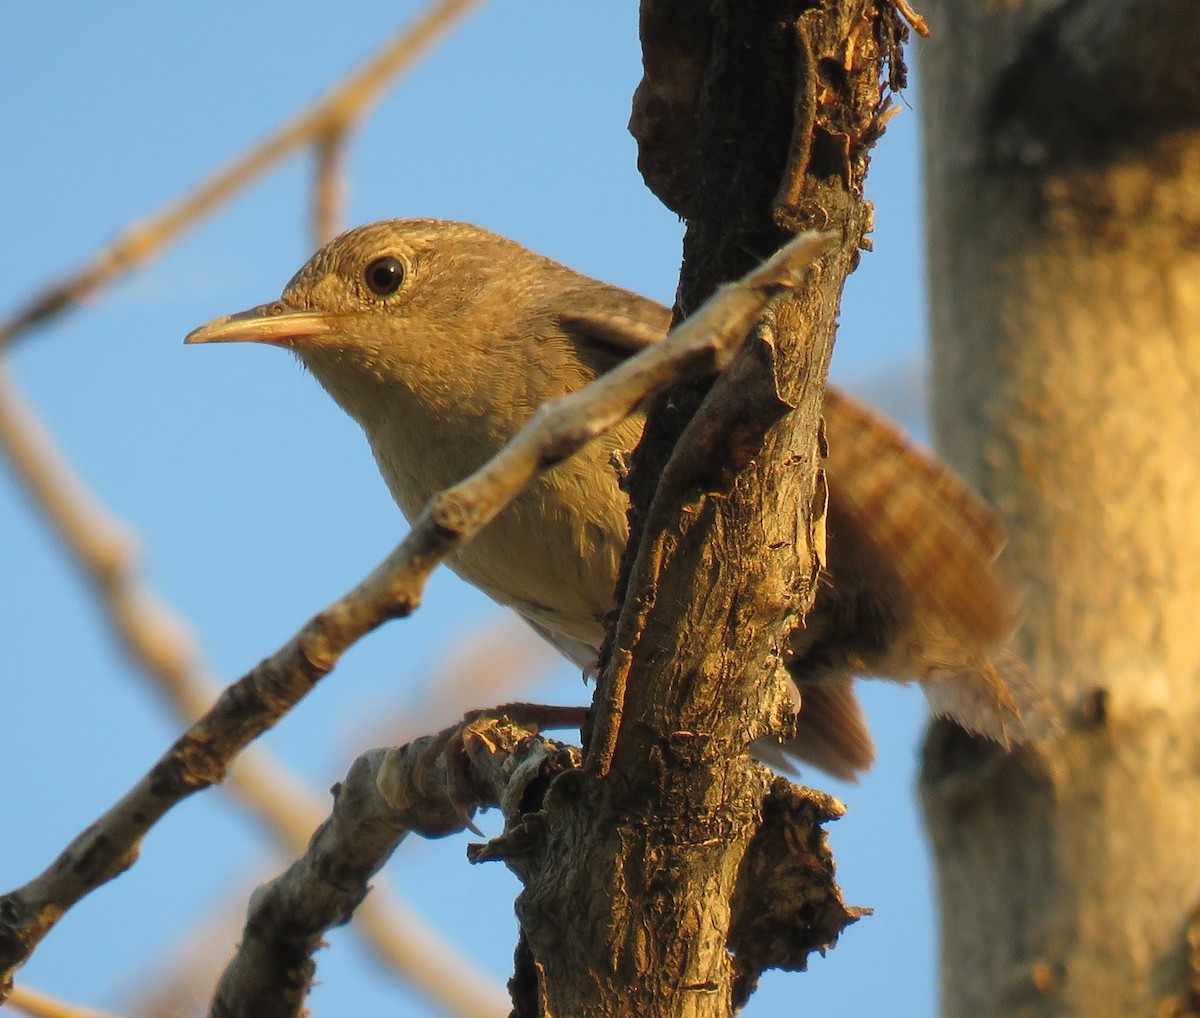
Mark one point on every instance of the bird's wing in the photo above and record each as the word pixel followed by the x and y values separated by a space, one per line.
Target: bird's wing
pixel 913 592
pixel 608 324
pixel 887 495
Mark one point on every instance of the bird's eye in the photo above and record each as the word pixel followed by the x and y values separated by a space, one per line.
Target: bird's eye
pixel 384 275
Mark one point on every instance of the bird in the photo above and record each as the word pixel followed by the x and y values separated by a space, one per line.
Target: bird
pixel 441 339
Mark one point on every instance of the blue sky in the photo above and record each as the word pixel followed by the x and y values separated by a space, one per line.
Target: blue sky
pixel 256 502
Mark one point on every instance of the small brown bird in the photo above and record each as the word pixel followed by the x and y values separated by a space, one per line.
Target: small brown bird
pixel 441 339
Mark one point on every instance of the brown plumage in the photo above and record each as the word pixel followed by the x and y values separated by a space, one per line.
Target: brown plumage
pixel 441 339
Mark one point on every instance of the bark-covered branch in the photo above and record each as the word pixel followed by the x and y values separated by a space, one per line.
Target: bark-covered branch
pixel 1079 82
pixel 753 121
pixel 786 903
pixel 203 754
pixel 385 795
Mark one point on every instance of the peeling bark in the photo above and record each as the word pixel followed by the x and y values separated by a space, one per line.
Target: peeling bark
pixel 753 122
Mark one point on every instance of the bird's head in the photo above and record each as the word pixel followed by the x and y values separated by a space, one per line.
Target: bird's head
pixel 419 304
pixel 378 280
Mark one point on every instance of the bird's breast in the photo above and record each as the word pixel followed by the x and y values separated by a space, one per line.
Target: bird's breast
pixel 553 554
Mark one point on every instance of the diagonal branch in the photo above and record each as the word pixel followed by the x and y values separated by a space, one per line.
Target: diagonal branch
pixel 160 643
pixel 202 755
pixel 386 794
pixel 332 115
pixel 329 185
pixel 41 1005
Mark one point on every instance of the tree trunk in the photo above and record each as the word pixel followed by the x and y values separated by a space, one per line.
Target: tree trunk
pixel 1063 173
pixel 647 892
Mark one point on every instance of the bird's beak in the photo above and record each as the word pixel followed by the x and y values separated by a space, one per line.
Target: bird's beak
pixel 275 323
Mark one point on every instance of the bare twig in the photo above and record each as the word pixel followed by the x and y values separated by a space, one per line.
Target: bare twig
pixel 386 794
pixel 332 115
pixel 705 343
pixel 403 944
pixel 329 186
pixel 161 644
pixel 40 1005
pixel 183 979
pixel 149 633
pixel 918 23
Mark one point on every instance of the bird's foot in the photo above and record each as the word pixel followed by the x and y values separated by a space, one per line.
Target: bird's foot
pixel 455 747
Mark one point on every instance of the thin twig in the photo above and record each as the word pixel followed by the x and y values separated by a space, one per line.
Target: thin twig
pixel 918 23
pixel 704 344
pixel 163 647
pixel 334 113
pixel 329 186
pixel 385 795
pixel 40 1005
pixel 103 548
pixel 191 971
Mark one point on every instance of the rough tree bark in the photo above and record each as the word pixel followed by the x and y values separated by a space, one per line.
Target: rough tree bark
pixel 1063 176
pixel 646 890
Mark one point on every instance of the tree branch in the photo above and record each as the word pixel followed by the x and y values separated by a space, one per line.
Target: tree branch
pixel 753 121
pixel 41 1005
pixel 329 186
pixel 333 115
pixel 162 646
pixel 386 794
pixel 1061 213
